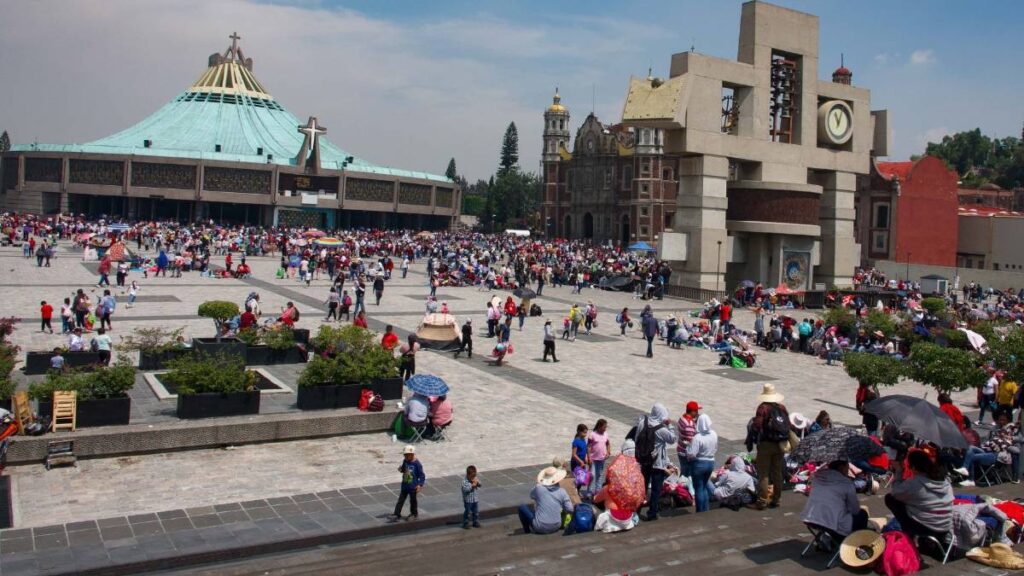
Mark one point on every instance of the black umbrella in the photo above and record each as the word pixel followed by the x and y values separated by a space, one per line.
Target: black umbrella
pixel 524 293
pixel 833 444
pixel 919 417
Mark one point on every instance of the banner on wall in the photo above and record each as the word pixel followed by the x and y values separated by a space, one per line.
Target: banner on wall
pixel 796 269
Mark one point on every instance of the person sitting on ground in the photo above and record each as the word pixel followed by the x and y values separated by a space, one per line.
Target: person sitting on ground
pixel 550 501
pixel 440 415
pixel 75 342
pixel 568 483
pixel 822 422
pixel 923 503
pixel 616 518
pixel 1002 439
pixel 246 320
pixel 735 487
pixel 833 501
pixel 289 315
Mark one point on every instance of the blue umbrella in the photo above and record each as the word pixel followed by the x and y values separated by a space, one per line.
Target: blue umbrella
pixel 427 385
pixel 640 247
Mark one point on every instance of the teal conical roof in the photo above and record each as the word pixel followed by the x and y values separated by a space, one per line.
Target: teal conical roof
pixel 226 115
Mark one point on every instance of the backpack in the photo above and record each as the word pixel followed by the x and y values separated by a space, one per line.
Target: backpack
pixel 365 397
pixel 900 555
pixel 644 440
pixel 295 318
pixel 583 518
pixel 776 427
pixel 376 403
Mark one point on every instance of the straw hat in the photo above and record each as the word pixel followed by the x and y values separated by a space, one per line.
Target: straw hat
pixel 998 555
pixel 799 421
pixel 861 548
pixel 768 394
pixel 550 476
pixel 879 333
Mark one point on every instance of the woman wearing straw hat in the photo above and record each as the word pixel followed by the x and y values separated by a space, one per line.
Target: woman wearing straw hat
pixel 769 430
pixel 550 500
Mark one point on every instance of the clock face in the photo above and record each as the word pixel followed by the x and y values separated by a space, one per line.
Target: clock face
pixel 835 123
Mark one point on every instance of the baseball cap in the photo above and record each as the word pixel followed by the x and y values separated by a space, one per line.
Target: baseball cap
pixel 692 406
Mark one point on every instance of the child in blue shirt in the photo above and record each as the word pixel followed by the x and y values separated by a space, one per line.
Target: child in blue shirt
pixel 580 457
pixel 412 481
pixel 470 500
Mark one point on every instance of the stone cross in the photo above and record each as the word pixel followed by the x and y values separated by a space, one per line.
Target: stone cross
pixel 312 130
pixel 234 41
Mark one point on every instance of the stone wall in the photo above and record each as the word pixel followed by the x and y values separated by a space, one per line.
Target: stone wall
pixel 995 278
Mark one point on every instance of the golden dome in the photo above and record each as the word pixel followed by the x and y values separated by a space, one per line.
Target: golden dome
pixel 556 105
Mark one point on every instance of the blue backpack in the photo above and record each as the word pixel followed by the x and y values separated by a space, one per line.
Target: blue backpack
pixel 583 517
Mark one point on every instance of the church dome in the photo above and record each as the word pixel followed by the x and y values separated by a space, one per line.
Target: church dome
pixel 556 104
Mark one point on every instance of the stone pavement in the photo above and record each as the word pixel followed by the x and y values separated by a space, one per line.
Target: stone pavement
pixel 517 415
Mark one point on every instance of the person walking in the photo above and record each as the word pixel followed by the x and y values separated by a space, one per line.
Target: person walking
pixel 549 341
pixel 45 314
pixel 405 267
pixel 467 339
pixel 67 316
pixel 360 296
pixel 378 287
pixel 333 301
pixel 104 271
pixel 413 480
pixel 649 325
pixel 769 431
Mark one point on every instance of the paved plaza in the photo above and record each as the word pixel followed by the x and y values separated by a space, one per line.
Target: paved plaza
pixel 520 414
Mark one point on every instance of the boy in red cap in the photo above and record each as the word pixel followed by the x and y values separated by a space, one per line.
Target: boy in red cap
pixel 687 429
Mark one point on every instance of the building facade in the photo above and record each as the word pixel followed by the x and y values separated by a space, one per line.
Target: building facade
pixel 766 157
pixel 907 212
pixel 990 239
pixel 226 150
pixel 615 185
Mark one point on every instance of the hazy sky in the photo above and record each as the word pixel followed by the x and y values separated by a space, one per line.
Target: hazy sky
pixel 410 84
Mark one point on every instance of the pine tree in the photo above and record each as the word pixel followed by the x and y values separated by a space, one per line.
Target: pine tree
pixel 451 172
pixel 509 149
pixel 5 142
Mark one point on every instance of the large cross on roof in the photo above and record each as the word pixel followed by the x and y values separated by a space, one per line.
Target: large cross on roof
pixel 234 41
pixel 311 144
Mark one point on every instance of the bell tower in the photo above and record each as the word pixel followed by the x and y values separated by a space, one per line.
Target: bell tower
pixel 554 164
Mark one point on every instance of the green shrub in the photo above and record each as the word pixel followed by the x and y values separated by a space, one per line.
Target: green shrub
pixel 251 336
pixel 881 322
pixel 843 319
pixel 359 358
pixel 279 338
pixel 873 369
pixel 935 306
pixel 8 357
pixel 945 369
pixel 318 371
pixel 198 373
pixel 220 311
pixel 957 339
pixel 91 384
pixel 328 338
pixel 1007 354
pixel 150 340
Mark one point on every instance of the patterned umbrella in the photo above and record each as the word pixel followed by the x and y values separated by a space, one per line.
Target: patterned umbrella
pixel 329 242
pixel 314 233
pixel 626 486
pixel 118 252
pixel 427 385
pixel 836 444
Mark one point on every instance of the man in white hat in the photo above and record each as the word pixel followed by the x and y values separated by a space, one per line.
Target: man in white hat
pixel 769 430
pixel 550 500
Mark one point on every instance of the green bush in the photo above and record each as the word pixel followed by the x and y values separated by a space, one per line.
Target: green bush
pixel 935 306
pixel 251 336
pixel 957 339
pixel 1007 354
pixel 150 340
pixel 220 311
pixel 843 319
pixel 8 357
pixel 329 338
pixel 873 369
pixel 881 322
pixel 198 373
pixel 945 369
pixel 319 371
pixel 93 384
pixel 279 338
pixel 359 358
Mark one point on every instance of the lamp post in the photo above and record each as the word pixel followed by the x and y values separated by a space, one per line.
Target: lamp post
pixel 718 269
pixel 908 267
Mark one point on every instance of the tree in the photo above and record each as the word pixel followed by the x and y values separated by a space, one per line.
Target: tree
pixel 1007 353
pixel 220 311
pixel 509 149
pixel 514 196
pixel 979 159
pixel 945 369
pixel 873 369
pixel 473 205
pixel 5 142
pixel 451 172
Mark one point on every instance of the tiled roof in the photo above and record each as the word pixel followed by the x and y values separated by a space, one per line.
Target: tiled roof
pixel 989 211
pixel 898 169
pixel 229 107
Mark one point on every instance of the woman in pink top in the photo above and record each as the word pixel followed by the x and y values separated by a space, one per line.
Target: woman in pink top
pixel 439 414
pixel 597 448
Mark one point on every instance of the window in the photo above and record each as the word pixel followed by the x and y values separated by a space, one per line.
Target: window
pixel 881 216
pixel 627 177
pixel 880 242
pixel 561 124
pixel 995 266
pixel 643 212
pixel 643 230
pixel 645 167
pixel 644 188
pixel 666 174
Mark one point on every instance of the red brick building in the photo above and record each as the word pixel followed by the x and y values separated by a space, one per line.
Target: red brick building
pixel 908 211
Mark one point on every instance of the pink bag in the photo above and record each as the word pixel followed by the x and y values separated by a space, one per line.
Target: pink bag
pixel 582 476
pixel 900 556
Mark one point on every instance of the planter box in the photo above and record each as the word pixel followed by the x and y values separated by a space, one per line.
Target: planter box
pixel 261 355
pixel 227 346
pixel 213 404
pixel 301 335
pixel 158 360
pixel 94 413
pixel 389 388
pixel 39 362
pixel 329 396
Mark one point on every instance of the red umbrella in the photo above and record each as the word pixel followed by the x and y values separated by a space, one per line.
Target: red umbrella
pixel 626 486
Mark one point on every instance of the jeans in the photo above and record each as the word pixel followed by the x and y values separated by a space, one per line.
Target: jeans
pixel 405 272
pixel 657 481
pixel 526 517
pixel 65 325
pixel 650 346
pixel 832 356
pixel 402 495
pixel 988 401
pixel 685 465
pixel 470 511
pixel 596 475
pixel 104 281
pixel 976 455
pixel 549 348
pixel 701 476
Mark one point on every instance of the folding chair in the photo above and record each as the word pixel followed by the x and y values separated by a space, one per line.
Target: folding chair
pixel 417 432
pixel 945 548
pixel 992 474
pixel 441 434
pixel 823 539
pixel 65 408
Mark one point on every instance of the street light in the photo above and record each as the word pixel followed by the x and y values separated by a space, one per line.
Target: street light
pixel 908 267
pixel 718 270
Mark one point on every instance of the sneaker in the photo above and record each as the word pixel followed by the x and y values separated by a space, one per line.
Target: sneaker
pixel 465 526
pixel 476 525
pixel 978 423
pixel 962 471
pixel 411 517
pixel 393 517
pixel 966 483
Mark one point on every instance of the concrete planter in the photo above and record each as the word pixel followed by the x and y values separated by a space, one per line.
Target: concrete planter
pixel 329 396
pixel 215 404
pixel 94 413
pixel 389 388
pixel 159 360
pixel 262 354
pixel 226 346
pixel 39 362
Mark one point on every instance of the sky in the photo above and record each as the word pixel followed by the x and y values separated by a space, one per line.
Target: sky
pixel 410 84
